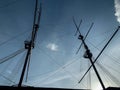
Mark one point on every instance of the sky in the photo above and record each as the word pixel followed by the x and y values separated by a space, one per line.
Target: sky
pixel 54 62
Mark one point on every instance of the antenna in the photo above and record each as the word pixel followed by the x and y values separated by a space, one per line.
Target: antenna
pixel 29 45
pixel 85 37
pixel 89 55
pixel 101 52
pixel 77 26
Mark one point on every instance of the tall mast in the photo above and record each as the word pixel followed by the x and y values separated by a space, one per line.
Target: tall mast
pixel 88 54
pixel 29 45
pixel 101 52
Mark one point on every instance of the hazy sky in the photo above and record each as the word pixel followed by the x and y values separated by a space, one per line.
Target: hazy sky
pixel 53 61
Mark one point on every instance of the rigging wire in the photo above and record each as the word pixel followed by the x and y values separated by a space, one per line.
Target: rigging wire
pixel 64 66
pixel 14 37
pixel 113 78
pixel 15 71
pixel 109 56
pixel 105 77
pixel 11 55
pixel 108 79
pixel 102 34
pixel 7 78
pixel 9 4
pixel 109 73
pixel 113 59
pixel 61 67
pixel 79 84
pixel 53 60
pixel 102 42
pixel 8 58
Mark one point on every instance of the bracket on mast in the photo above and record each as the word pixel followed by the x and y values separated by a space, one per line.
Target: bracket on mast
pixel 28 44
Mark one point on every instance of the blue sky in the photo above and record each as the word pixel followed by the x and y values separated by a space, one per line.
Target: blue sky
pixel 53 61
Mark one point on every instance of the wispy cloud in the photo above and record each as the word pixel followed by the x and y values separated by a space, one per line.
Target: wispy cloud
pixel 52 47
pixel 117 9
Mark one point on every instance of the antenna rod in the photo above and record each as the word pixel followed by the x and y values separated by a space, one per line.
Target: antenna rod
pixel 101 52
pixel 30 44
pixel 77 26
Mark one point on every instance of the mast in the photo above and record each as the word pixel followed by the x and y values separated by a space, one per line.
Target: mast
pixel 101 52
pixel 29 45
pixel 88 54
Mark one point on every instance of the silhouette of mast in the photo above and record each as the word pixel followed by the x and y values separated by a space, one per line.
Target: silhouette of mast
pixel 101 52
pixel 29 45
pixel 88 54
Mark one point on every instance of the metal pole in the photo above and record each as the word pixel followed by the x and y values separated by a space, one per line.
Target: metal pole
pixel 24 67
pixel 30 44
pixel 88 55
pixel 101 82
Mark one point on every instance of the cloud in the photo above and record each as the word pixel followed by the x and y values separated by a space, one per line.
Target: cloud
pixel 52 47
pixel 117 9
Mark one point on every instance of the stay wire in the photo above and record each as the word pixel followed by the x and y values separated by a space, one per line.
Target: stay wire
pixel 110 56
pixel 12 38
pixel 114 79
pixel 11 55
pixel 9 4
pixel 7 78
pixel 104 75
pixel 16 70
pixel 60 69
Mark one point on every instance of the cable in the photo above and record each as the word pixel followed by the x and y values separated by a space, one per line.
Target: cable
pixel 61 68
pixel 11 56
pixel 109 74
pixel 18 66
pixel 7 78
pixel 110 56
pixel 103 74
pixel 12 38
pixel 8 4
